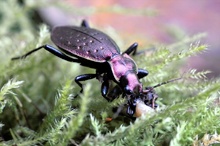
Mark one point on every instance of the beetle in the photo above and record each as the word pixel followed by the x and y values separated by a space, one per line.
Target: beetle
pixel 93 48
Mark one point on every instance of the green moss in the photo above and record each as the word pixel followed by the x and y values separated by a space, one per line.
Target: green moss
pixel 38 103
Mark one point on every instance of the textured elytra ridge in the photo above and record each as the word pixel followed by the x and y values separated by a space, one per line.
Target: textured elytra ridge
pixel 85 42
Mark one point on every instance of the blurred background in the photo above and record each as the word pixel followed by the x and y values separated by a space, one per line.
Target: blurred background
pixel 165 21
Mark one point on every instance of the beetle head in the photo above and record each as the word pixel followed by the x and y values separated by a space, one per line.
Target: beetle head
pixel 149 97
pixel 131 84
pixel 138 104
pixel 143 103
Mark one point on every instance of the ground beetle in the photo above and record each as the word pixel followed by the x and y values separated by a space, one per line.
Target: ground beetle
pixel 93 48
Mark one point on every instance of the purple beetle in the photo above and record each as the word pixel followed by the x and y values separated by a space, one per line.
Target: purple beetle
pixel 93 48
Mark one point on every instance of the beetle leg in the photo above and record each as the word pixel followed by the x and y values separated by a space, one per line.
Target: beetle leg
pixel 132 48
pixel 114 93
pixel 84 77
pixel 131 107
pixel 52 50
pixel 104 88
pixel 85 24
pixel 142 73
pixel 130 111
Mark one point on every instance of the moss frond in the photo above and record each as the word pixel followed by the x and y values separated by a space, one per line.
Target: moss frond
pixel 7 89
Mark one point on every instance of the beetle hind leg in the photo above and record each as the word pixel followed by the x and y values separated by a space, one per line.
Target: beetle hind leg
pixel 52 50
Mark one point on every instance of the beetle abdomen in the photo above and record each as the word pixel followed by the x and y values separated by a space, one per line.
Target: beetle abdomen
pixel 84 42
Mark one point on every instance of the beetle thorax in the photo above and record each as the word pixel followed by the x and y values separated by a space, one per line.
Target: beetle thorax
pixel 124 71
pixel 121 64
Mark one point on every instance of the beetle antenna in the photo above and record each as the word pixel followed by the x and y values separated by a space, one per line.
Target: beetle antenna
pixel 160 84
pixel 169 81
pixel 27 54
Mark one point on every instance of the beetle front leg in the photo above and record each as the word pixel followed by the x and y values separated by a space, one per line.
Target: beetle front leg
pixel 130 111
pixel 131 107
pixel 142 73
pixel 114 93
pixel 84 77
